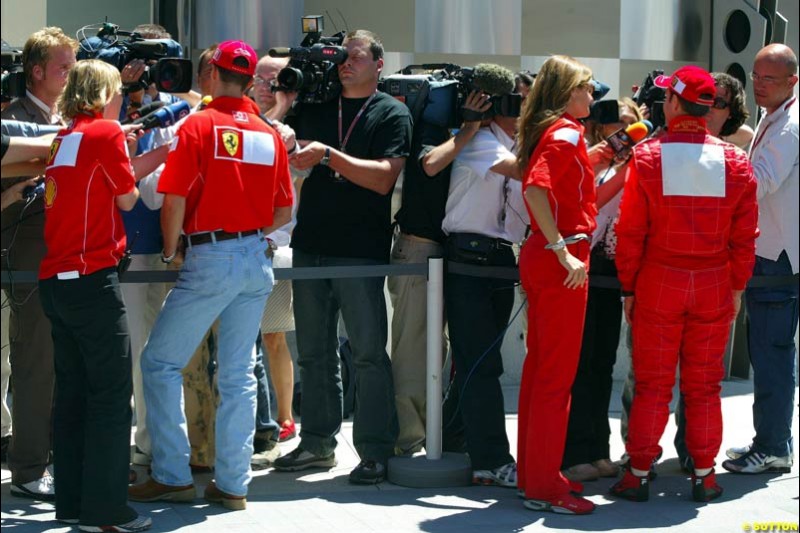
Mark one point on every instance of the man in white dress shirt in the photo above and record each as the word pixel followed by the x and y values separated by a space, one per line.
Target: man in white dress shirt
pixel 484 216
pixel 772 311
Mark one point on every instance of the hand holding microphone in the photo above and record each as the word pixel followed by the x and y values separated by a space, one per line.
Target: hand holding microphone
pixel 164 116
pixel 622 140
pixel 140 112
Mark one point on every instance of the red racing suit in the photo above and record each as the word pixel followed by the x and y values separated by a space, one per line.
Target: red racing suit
pixel 686 240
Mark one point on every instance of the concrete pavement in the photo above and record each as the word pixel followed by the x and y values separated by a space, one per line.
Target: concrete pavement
pixel 323 501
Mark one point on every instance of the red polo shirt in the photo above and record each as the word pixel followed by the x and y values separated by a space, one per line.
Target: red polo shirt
pixel 88 166
pixel 561 165
pixel 231 167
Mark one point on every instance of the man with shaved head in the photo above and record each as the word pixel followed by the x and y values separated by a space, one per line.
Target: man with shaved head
pixel 267 70
pixel 772 311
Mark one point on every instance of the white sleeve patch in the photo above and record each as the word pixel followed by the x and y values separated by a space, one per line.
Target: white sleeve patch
pixel 258 148
pixel 567 134
pixel 693 169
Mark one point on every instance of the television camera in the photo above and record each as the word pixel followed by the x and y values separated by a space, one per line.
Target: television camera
pixel 313 67
pixel 653 97
pixel 13 80
pixel 438 94
pixel 167 68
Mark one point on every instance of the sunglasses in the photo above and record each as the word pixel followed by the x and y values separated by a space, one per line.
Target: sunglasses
pixel 720 103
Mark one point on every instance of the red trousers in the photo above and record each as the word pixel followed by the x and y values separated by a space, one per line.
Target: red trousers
pixel 555 329
pixel 679 315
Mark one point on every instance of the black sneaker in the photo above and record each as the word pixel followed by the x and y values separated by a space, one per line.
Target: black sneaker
pixel 368 472
pixel 300 459
pixel 262 441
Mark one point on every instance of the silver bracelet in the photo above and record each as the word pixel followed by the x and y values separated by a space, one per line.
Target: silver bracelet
pixel 560 244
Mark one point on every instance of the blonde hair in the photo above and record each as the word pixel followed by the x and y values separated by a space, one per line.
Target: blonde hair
pixel 548 100
pixel 90 87
pixel 38 46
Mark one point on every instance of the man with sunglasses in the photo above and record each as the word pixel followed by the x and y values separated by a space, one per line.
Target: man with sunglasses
pixel 772 311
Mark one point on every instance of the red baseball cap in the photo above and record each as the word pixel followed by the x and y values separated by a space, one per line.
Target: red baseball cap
pixel 692 83
pixel 228 51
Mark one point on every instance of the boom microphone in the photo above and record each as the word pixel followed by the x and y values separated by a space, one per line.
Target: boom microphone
pixel 165 116
pixel 136 114
pixel 493 79
pixel 625 138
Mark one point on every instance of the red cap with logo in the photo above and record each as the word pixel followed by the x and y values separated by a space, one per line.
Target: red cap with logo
pixel 692 83
pixel 228 54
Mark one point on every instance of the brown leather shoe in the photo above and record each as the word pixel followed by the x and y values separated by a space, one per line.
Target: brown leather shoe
pixel 606 468
pixel 152 491
pixel 229 501
pixel 582 472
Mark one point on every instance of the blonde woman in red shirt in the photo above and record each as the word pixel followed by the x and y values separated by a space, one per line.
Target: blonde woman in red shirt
pixel 89 178
pixel 558 184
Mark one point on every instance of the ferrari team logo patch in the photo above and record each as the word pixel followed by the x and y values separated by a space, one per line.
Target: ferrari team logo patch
pixel 246 146
pixel 53 151
pixel 231 143
pixel 50 191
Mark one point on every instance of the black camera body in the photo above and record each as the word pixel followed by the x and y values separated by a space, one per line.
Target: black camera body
pixel 13 80
pixel 313 66
pixel 604 112
pixel 653 97
pixel 171 73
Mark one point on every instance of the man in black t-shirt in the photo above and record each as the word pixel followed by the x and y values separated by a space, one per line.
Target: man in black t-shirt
pixel 355 147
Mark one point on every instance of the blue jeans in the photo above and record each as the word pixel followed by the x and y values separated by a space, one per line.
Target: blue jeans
pixel 229 280
pixel 772 323
pixel 317 303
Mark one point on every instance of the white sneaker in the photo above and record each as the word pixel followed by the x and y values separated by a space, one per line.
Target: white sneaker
pixel 755 463
pixel 737 451
pixel 43 489
pixel 504 476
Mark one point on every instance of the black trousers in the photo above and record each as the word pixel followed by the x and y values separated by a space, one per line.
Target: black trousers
pixel 478 310
pixel 92 418
pixel 588 431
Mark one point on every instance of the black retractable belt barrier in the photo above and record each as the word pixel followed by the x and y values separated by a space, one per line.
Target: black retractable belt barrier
pixel 372 271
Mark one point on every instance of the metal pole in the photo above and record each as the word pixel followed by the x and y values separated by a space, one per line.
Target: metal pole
pixel 435 310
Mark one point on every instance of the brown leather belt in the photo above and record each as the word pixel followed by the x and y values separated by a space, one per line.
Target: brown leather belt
pixel 205 238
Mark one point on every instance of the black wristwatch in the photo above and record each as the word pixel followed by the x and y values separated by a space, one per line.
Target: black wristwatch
pixel 326 159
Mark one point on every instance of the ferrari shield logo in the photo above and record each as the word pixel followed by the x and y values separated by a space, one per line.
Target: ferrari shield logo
pixel 49 192
pixel 53 151
pixel 230 140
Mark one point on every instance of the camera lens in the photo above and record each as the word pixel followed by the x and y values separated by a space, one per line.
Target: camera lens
pixel 170 76
pixel 290 78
